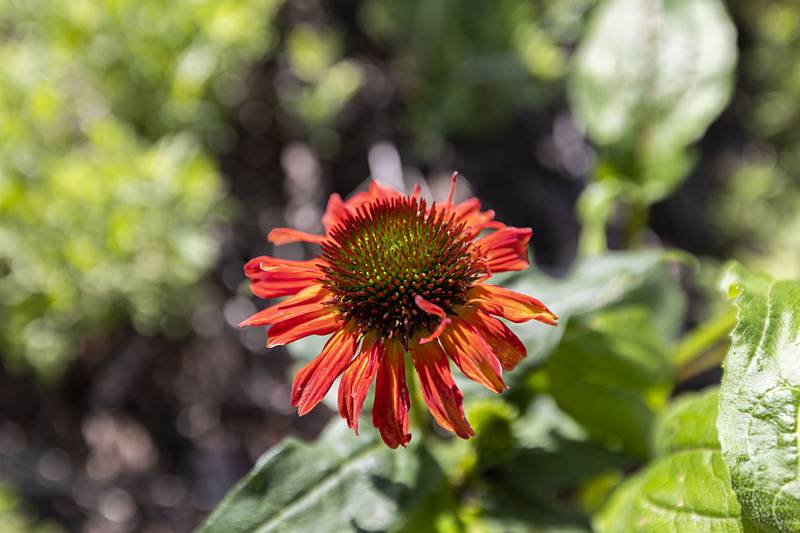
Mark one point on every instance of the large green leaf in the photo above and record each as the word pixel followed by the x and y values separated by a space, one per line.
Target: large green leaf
pixel 594 284
pixel 338 483
pixel 648 79
pixel 611 372
pixel 687 487
pixel 760 400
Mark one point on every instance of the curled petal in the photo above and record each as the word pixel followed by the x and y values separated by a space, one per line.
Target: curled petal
pixel 336 211
pixel 506 249
pixel 510 305
pixel 271 277
pixel 439 389
pixel 357 379
pixel 432 309
pixel 390 410
pixel 288 235
pixel 466 346
pixel 469 213
pixel 315 379
pixel 506 346
pixel 309 299
pixel 320 321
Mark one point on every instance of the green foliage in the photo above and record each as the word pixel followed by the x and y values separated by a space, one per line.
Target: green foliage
pixel 760 400
pixel 646 81
pixel 687 486
pixel 325 81
pixel 756 211
pixel 611 372
pixel 155 68
pixel 337 484
pixel 107 199
pixel 508 53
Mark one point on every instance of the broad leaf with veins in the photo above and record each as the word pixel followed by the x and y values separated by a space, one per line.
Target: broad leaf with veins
pixel 759 400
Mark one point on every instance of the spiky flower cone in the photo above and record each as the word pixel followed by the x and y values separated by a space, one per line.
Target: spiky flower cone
pixel 398 277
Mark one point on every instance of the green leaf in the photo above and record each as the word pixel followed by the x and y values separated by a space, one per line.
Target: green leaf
pixel 338 483
pixel 648 79
pixel 687 486
pixel 594 284
pixel 672 60
pixel 611 372
pixel 760 400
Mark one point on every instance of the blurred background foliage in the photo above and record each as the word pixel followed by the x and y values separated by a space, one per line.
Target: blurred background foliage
pixel 148 146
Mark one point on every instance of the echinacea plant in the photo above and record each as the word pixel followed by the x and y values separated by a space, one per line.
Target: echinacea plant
pixel 397 276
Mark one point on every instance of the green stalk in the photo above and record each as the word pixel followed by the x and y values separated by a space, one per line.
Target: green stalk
pixel 696 352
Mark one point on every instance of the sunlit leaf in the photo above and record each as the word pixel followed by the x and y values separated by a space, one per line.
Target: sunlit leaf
pixel 687 486
pixel 338 483
pixel 648 79
pixel 760 399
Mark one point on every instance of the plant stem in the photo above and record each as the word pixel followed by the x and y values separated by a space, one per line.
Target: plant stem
pixel 695 354
pixel 638 218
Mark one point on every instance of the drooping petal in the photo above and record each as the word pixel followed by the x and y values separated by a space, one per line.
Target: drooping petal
pixel 432 309
pixel 309 299
pixel 506 346
pixel 506 249
pixel 439 389
pixel 390 410
pixel 357 379
pixel 288 235
pixel 474 356
pixel 315 379
pixel 320 321
pixel 510 305
pixel 271 277
pixel 336 211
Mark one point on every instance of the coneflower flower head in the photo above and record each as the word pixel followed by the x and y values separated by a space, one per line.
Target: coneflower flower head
pixel 397 276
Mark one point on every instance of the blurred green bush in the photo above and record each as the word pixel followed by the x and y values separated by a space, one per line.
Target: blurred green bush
pixel 108 200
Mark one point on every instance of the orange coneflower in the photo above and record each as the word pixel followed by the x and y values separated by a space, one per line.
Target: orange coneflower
pixel 398 277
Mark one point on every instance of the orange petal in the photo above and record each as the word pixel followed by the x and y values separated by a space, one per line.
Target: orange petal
pixel 357 379
pixel 287 235
pixel 439 389
pixel 505 345
pixel 309 299
pixel 510 305
pixel 390 410
pixel 432 309
pixel 469 213
pixel 315 379
pixel 271 277
pixel 321 321
pixel 453 179
pixel 506 249
pixel 474 356
pixel 336 211
pixel 375 191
